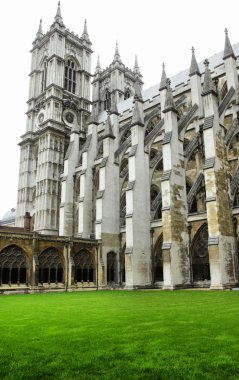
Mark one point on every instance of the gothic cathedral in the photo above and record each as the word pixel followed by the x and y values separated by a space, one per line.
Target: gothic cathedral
pixel 120 187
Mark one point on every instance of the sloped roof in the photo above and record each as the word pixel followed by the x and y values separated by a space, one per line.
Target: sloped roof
pixel 180 78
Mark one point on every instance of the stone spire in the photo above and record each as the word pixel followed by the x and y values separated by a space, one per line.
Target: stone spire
pixel 164 79
pixel 85 35
pixel 138 117
pixel 98 67
pixel 40 31
pixel 194 69
pixel 208 85
pixel 169 102
pixel 108 132
pixel 58 17
pixel 116 56
pixel 228 51
pixel 136 66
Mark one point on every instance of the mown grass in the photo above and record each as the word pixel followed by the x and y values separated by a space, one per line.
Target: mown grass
pixel 120 335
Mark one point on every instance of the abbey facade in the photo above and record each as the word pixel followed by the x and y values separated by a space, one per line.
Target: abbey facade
pixel 141 185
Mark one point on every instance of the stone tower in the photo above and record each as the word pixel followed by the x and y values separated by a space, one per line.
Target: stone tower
pixel 58 110
pixel 114 84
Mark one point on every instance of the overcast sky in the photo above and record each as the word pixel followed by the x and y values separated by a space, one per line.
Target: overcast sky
pixel 157 31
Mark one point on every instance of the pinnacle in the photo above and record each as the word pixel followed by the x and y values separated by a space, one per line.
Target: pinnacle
pixel 194 69
pixel 137 118
pixel 208 85
pixel 169 102
pixel 58 17
pixel 228 51
pixel 98 67
pixel 136 67
pixel 40 31
pixel 116 55
pixel 164 79
pixel 138 93
pixel 108 132
pixel 85 34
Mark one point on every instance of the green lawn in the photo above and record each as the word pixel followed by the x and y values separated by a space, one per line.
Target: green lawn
pixel 120 335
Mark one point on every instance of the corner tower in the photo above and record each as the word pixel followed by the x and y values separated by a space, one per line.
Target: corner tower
pixel 59 102
pixel 115 83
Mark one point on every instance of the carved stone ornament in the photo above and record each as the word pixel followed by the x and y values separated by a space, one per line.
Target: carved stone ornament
pixel 40 118
pixel 70 117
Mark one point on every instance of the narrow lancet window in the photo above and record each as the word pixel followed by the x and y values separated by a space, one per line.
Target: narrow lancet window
pixel 70 76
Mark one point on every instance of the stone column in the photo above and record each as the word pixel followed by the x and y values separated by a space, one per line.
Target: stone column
pixel 176 267
pixel 221 243
pixel 137 253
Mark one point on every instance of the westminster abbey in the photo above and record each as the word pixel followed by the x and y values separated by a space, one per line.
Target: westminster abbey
pixel 120 186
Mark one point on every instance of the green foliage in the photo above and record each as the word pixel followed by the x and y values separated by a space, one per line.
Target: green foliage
pixel 123 335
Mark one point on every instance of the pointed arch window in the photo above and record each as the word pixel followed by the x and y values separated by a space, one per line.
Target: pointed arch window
pixel 107 101
pixel 70 76
pixel 127 94
pixel 44 77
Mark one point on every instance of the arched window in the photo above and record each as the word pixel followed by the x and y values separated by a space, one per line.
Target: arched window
pixel 200 256
pixel 107 101
pixel 13 266
pixel 127 94
pixel 50 266
pixel 111 267
pixel 44 76
pixel 155 202
pixel 84 266
pixel 158 260
pixel 70 76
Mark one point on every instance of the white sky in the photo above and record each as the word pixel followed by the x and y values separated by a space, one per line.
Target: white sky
pixel 157 31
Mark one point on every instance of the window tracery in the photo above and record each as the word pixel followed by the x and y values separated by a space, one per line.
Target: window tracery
pixel 70 76
pixel 84 266
pixel 13 266
pixel 50 266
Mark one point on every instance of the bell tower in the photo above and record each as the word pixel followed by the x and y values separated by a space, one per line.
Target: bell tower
pixel 59 103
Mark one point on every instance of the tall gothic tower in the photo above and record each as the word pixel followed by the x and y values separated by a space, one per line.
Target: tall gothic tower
pixel 58 106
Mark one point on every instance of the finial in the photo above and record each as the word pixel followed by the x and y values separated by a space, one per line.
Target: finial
pixel 163 83
pixel 116 55
pixel 58 17
pixel 40 31
pixel 169 102
pixel 228 50
pixel 136 66
pixel 194 69
pixel 85 28
pixel 208 85
pixel 85 34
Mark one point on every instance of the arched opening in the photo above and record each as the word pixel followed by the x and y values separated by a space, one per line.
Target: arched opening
pixel 158 260
pixel 200 256
pixel 13 266
pixel 84 270
pixel 125 136
pixel 107 101
pixel 152 124
pixel 122 265
pixel 155 202
pixel 50 266
pixel 111 267
pixel 127 94
pixel 70 76
pixel 44 76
